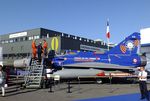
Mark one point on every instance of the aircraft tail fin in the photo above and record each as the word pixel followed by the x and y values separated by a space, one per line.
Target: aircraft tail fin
pixel 131 45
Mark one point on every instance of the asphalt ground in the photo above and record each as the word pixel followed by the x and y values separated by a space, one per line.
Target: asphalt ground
pixel 77 92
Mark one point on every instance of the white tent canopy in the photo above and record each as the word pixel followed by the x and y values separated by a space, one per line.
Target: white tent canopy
pixel 145 36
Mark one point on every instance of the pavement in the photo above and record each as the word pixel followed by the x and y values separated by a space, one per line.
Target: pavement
pixel 84 91
pixel 125 97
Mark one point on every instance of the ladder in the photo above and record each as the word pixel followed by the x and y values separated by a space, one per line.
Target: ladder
pixel 33 77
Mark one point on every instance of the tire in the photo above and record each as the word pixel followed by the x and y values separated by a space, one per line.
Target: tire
pixel 99 81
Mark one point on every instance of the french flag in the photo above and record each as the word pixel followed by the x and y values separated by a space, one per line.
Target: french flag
pixel 108 33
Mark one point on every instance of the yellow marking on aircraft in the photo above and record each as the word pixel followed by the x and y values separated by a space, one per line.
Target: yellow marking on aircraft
pixel 54 43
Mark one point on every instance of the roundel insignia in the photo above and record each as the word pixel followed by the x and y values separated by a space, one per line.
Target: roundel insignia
pixel 123 48
pixel 54 43
pixel 136 42
pixel 130 45
pixel 97 58
pixel 134 60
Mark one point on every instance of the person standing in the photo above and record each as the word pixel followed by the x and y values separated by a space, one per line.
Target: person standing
pixel 45 46
pixel 2 80
pixel 34 49
pixel 39 51
pixel 142 83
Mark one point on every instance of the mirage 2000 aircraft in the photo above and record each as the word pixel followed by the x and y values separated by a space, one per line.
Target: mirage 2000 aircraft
pixel 124 58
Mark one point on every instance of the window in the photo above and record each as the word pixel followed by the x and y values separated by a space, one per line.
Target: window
pixel 21 39
pixel 80 39
pixel 31 38
pixel 36 37
pixel 62 34
pixel 75 37
pixel 11 41
pixel 104 43
pixel 47 35
pixel 26 38
pixel 6 41
pixel 16 40
pixel 3 42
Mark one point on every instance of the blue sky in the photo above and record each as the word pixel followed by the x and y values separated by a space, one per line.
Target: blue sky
pixel 85 18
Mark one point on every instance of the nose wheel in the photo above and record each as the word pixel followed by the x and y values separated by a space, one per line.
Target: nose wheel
pixel 99 81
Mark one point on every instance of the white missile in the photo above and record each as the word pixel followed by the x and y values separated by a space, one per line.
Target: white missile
pixel 75 73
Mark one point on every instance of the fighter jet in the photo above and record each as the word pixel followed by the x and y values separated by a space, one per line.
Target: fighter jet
pixel 124 57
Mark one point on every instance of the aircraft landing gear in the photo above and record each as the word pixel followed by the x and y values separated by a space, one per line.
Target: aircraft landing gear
pixel 99 81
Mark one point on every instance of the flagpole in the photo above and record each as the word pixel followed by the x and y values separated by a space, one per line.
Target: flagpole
pixel 108 44
pixel 107 34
